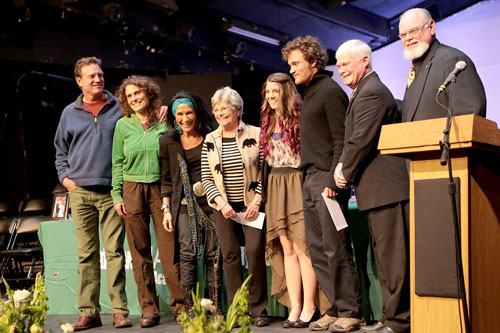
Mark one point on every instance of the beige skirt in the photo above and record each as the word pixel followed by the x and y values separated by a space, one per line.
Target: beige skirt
pixel 285 216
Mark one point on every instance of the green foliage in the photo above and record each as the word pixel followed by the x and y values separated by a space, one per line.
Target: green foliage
pixel 205 320
pixel 24 311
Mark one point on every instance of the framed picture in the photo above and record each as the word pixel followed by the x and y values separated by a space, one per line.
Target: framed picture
pixel 60 206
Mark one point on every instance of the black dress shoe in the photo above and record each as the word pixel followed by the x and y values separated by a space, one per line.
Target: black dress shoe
pixel 288 323
pixel 303 324
pixel 261 321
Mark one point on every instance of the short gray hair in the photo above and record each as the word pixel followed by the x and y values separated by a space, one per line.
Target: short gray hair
pixel 355 47
pixel 230 96
pixel 423 13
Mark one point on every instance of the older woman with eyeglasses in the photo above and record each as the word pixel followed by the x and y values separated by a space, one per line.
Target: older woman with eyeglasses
pixel 230 163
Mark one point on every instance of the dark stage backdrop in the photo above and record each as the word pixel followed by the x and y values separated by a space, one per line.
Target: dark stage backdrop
pixel 34 96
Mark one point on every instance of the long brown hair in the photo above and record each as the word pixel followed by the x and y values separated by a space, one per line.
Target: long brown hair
pixel 287 114
pixel 150 88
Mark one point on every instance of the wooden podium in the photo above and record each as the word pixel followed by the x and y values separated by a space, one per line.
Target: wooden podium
pixel 475 160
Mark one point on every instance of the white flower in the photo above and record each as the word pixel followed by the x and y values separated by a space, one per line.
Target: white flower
pixel 67 328
pixel 36 329
pixel 207 304
pixel 20 295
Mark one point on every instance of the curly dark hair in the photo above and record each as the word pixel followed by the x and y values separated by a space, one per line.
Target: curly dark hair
pixel 287 114
pixel 310 47
pixel 150 88
pixel 203 118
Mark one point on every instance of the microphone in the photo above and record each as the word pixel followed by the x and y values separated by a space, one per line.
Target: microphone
pixel 459 67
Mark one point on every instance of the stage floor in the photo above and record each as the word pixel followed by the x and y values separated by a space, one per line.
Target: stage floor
pixel 167 324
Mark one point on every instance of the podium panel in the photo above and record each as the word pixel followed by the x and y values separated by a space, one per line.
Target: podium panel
pixel 475 160
pixel 435 251
pixel 427 313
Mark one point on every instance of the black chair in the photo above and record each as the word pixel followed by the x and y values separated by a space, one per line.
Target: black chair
pixel 22 256
pixel 6 221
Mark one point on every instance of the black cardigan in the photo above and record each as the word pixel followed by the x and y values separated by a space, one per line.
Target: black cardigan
pixel 171 182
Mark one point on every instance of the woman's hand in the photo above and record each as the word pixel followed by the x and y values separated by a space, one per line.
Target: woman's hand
pixel 225 208
pixel 329 192
pixel 252 211
pixel 227 211
pixel 167 222
pixel 161 114
pixel 121 210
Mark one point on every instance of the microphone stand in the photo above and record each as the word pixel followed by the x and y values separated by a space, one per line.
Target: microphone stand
pixel 452 190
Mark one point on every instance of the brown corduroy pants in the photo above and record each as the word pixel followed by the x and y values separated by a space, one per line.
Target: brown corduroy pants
pixel 141 202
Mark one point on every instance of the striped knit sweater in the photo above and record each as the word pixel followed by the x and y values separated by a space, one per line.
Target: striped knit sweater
pixel 231 168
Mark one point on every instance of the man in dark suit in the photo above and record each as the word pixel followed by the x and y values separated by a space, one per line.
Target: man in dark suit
pixel 432 62
pixel 380 181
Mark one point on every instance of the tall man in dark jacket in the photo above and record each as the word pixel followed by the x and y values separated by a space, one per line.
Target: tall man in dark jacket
pixel 83 145
pixel 321 139
pixel 380 181
pixel 432 62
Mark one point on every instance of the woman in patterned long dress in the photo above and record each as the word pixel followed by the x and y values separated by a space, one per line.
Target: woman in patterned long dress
pixel 286 246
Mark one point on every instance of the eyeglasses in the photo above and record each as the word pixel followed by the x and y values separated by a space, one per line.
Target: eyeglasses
pixel 221 110
pixel 413 32
pixel 135 94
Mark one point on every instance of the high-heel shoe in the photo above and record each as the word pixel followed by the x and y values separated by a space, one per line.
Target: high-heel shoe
pixel 303 324
pixel 288 323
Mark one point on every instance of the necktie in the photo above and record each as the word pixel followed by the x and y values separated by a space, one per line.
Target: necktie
pixel 352 95
pixel 411 75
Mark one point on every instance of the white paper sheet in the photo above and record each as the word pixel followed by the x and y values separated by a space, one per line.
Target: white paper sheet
pixel 257 223
pixel 335 212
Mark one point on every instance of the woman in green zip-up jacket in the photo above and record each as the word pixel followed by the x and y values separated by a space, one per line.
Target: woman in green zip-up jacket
pixel 136 193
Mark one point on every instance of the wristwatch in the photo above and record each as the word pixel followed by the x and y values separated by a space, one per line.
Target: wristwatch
pixel 165 206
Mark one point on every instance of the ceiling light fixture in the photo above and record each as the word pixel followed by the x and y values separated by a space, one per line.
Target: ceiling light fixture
pixel 254 35
pixel 251 31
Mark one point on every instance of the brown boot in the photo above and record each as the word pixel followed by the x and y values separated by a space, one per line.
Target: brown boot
pixel 86 322
pixel 149 321
pixel 120 320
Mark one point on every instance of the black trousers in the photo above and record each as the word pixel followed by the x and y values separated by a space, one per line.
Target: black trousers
pixel 187 253
pixel 389 228
pixel 330 250
pixel 231 235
